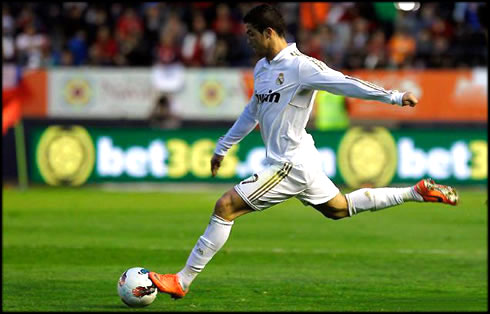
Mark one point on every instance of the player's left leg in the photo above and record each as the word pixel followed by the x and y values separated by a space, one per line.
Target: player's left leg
pixel 229 207
pixel 269 187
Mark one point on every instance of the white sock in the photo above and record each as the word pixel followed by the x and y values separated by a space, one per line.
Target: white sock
pixel 208 244
pixel 376 199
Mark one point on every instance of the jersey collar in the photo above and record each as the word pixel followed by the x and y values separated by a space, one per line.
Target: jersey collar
pixel 282 53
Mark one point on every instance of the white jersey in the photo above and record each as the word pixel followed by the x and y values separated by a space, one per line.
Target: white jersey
pixel 284 92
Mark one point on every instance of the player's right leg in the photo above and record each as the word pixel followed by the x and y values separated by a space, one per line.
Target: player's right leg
pixel 229 207
pixel 342 206
pixel 426 190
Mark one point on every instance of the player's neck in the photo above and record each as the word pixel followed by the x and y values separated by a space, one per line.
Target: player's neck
pixel 276 47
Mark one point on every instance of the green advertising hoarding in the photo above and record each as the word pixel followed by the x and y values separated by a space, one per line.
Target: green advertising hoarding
pixel 376 156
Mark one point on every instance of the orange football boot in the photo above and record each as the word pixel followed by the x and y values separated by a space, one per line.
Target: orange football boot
pixel 168 283
pixel 433 192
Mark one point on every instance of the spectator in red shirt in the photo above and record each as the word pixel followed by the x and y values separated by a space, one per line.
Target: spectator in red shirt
pixel 105 48
pixel 198 45
pixel 128 22
pixel 224 22
pixel 314 45
pixel 167 51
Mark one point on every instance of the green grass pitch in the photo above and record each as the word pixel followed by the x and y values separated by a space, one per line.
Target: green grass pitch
pixel 65 248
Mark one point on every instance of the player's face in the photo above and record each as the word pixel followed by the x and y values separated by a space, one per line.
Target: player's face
pixel 256 40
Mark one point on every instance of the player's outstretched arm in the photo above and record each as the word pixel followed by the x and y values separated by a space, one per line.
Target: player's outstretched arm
pixel 317 75
pixel 409 100
pixel 216 163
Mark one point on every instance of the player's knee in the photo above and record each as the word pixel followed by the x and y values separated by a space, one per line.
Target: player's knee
pixel 336 208
pixel 332 212
pixel 336 214
pixel 223 207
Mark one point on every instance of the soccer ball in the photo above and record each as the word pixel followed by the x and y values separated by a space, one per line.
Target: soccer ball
pixel 136 288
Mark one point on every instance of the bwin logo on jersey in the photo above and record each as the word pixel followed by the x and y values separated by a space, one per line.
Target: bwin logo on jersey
pixel 271 97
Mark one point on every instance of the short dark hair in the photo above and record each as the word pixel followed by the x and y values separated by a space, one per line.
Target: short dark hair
pixel 264 16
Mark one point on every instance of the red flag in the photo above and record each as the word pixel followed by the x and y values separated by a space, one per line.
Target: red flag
pixel 11 109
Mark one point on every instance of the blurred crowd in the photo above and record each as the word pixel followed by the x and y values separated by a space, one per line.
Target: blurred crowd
pixel 346 35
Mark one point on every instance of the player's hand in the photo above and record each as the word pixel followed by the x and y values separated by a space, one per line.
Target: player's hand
pixel 216 163
pixel 409 100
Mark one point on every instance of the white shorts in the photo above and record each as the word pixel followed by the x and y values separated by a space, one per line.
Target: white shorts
pixel 279 182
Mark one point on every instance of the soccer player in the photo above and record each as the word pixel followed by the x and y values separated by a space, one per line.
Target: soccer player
pixel 285 83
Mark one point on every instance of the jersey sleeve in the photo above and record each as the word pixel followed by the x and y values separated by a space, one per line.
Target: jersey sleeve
pixel 245 123
pixel 315 74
